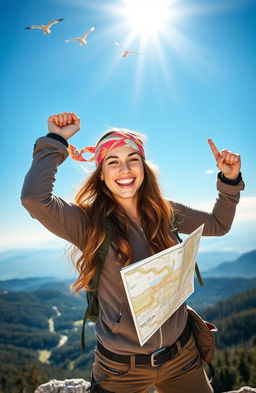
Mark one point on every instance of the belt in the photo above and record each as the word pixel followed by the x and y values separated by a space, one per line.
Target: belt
pixel 154 359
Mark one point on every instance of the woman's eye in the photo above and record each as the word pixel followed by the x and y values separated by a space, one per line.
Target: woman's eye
pixel 134 159
pixel 112 162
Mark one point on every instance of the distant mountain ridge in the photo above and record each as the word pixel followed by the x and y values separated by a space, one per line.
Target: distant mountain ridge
pixel 54 263
pixel 51 262
pixel 243 266
pixel 33 284
pixel 210 259
pixel 215 289
pixel 24 263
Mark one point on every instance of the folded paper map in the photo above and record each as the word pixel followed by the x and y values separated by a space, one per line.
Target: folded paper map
pixel 157 286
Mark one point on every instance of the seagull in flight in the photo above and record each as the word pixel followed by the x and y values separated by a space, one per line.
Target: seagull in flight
pixel 45 28
pixel 125 52
pixel 82 39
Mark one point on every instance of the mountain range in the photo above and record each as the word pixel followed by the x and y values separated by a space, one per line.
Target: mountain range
pixel 25 263
pixel 243 266
pixel 214 290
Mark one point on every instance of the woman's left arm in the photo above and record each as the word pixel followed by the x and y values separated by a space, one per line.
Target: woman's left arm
pixel 229 184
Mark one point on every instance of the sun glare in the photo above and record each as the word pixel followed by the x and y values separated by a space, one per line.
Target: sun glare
pixel 146 17
pixel 152 28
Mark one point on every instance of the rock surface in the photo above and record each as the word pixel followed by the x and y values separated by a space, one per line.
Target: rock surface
pixel 245 389
pixel 82 386
pixel 66 386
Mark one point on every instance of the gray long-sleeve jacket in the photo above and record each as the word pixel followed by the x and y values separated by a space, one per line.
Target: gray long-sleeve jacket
pixel 115 328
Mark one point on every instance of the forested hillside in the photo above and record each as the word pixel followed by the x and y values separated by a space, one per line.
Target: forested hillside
pixel 35 327
pixel 246 300
pixel 235 318
pixel 40 339
pixel 235 358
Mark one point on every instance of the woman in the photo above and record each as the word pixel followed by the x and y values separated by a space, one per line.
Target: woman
pixel 124 189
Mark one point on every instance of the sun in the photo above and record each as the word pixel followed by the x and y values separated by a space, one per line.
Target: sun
pixel 154 29
pixel 146 18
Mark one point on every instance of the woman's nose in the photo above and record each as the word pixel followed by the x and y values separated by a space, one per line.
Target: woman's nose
pixel 124 167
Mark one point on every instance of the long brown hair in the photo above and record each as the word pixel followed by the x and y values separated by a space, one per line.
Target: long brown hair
pixel 98 203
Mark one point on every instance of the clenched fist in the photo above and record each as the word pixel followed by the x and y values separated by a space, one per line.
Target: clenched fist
pixel 65 124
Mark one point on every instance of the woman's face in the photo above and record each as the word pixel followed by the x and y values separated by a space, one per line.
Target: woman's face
pixel 123 173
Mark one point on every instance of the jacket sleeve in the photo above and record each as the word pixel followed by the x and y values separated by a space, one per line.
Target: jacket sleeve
pixel 64 219
pixel 217 222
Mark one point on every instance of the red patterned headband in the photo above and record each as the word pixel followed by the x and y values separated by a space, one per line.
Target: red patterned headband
pixel 110 142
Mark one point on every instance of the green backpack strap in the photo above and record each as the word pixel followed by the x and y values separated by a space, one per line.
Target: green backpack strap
pixel 198 274
pixel 199 277
pixel 92 298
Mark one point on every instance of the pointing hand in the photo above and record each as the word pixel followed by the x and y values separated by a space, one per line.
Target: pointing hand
pixel 229 163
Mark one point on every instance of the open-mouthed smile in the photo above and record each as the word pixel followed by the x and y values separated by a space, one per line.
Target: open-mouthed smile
pixel 125 182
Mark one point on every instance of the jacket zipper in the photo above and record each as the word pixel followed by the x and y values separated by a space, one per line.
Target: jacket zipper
pixel 161 337
pixel 160 329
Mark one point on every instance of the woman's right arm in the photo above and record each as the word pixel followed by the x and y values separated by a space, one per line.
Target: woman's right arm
pixel 64 219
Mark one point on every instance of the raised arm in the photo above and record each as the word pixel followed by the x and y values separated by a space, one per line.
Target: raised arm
pixel 63 218
pixel 229 184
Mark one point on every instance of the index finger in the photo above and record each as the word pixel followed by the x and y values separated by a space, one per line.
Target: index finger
pixel 214 149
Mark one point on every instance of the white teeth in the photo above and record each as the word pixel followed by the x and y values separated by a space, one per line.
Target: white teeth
pixel 125 181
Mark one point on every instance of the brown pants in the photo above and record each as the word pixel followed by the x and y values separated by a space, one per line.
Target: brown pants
pixel 183 374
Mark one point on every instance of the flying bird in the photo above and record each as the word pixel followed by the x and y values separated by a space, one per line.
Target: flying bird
pixel 82 39
pixel 45 28
pixel 125 52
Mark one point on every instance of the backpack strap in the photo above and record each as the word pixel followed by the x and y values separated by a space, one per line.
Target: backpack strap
pixel 212 372
pixel 199 277
pixel 93 300
pixel 198 274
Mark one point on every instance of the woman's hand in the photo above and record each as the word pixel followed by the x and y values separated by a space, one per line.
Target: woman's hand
pixel 229 163
pixel 65 124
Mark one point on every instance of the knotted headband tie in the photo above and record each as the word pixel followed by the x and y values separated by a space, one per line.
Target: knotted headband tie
pixel 106 144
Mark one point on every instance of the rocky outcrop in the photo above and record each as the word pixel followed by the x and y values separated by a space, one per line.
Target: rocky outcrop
pixel 245 389
pixel 67 386
pixel 82 386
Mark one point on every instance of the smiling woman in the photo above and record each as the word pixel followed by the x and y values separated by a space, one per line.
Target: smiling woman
pixel 119 216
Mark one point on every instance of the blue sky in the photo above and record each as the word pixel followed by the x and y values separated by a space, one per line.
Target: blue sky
pixel 195 80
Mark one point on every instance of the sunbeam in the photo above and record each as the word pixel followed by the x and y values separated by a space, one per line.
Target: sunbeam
pixel 146 17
